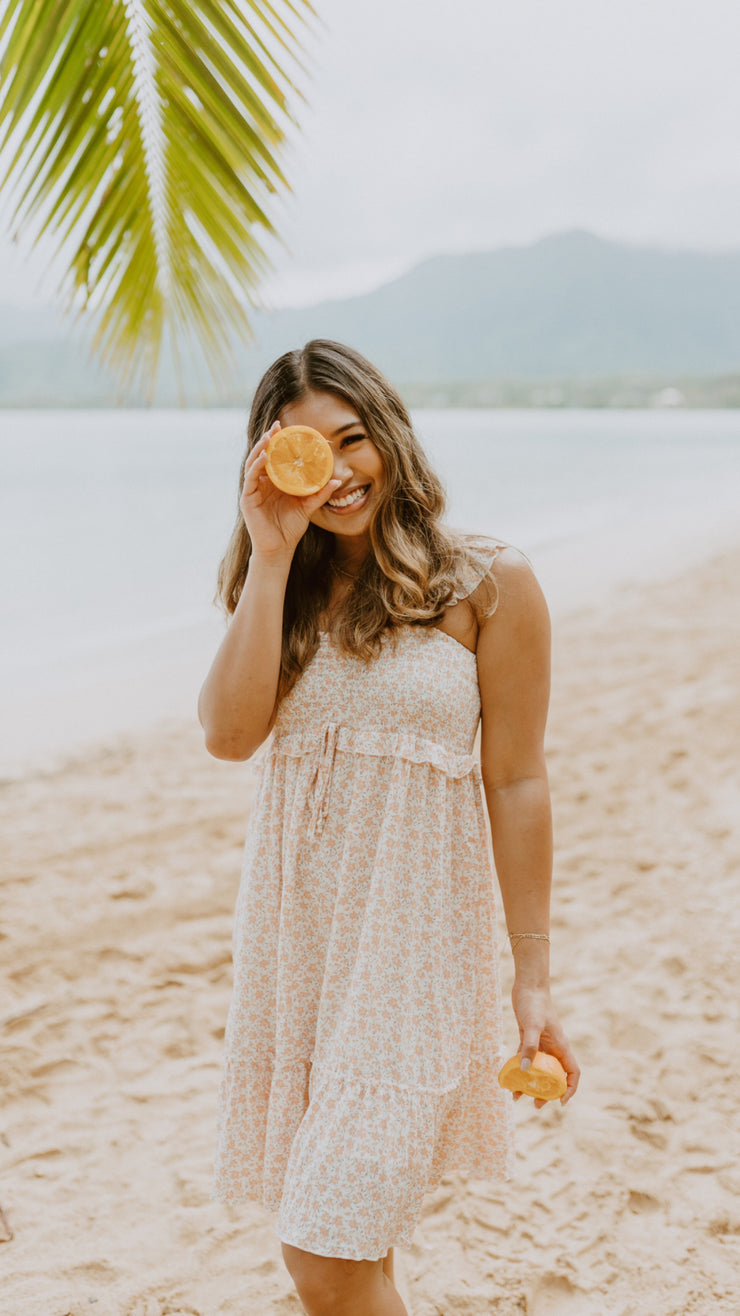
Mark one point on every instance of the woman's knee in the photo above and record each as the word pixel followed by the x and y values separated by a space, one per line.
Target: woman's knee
pixel 325 1283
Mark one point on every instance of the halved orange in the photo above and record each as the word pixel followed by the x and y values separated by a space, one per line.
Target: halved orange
pixel 299 460
pixel 545 1079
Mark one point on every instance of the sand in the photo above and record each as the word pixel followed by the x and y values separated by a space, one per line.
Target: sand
pixel 121 871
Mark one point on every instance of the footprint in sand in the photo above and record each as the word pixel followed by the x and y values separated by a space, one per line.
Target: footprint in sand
pixel 642 1202
pixel 288 1305
pixel 93 1272
pixel 554 1295
pixel 147 1304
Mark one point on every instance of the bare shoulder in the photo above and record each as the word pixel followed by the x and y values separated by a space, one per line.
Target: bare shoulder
pixel 519 618
pixel 512 586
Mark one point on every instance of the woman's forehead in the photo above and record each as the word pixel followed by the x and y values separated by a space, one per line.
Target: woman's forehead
pixel 325 412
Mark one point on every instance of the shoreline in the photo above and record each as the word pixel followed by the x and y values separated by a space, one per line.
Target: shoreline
pixel 122 870
pixel 112 532
pixel 626 391
pixel 91 704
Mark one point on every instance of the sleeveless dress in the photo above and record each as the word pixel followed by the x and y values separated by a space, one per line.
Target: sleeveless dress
pixel 364 1034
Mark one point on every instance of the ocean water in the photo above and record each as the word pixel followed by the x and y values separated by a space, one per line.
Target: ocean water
pixel 112 525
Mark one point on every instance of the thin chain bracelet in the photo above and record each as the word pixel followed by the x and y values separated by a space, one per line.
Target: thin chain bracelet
pixel 516 937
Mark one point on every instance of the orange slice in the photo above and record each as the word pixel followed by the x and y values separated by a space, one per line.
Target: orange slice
pixel 545 1079
pixel 299 460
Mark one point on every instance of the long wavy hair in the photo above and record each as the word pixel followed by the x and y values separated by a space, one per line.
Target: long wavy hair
pixel 414 568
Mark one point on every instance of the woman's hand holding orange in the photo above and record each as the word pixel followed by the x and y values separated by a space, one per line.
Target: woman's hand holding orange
pixel 276 521
pixel 541 1030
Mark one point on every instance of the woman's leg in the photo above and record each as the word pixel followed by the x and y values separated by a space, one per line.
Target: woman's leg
pixel 336 1286
pixel 388 1265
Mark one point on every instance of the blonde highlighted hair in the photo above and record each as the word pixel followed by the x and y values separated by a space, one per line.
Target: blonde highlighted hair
pixel 416 566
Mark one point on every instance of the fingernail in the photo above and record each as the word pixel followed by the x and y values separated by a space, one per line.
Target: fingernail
pixel 525 1063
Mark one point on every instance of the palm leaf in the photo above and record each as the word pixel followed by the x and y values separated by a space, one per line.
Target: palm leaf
pixel 145 136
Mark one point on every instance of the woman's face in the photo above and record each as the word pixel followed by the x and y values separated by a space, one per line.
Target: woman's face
pixel 357 462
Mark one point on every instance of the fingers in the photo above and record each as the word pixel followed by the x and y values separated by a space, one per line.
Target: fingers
pixel 562 1050
pixel 530 1045
pixel 559 1048
pixel 573 1074
pixel 313 501
pixel 254 467
pixel 259 448
pixel 254 472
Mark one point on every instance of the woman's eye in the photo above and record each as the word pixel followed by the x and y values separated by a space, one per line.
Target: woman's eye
pixel 352 438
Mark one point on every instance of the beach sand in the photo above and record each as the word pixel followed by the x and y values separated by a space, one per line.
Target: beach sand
pixel 121 874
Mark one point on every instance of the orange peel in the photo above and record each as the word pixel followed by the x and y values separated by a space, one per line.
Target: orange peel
pixel 299 460
pixel 546 1080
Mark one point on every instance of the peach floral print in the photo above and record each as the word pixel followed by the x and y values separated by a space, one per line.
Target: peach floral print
pixel 364 1035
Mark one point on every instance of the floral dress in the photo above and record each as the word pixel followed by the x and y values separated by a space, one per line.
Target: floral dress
pixel 364 1034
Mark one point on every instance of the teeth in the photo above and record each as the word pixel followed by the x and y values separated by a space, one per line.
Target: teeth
pixel 351 498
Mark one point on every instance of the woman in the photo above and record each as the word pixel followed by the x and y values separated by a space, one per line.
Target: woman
pixel 364 1036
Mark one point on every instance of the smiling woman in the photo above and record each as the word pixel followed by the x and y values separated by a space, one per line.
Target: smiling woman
pixel 367 642
pixel 389 534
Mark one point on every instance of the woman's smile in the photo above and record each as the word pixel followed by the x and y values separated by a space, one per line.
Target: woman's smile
pixel 351 501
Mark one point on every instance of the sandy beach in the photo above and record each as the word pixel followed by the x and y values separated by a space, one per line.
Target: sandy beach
pixel 121 871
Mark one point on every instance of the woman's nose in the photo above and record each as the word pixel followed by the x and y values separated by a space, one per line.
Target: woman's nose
pixel 342 466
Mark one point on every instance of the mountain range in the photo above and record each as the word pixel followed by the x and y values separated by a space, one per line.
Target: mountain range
pixel 570 307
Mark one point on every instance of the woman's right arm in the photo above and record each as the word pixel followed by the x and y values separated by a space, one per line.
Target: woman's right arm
pixel 237 704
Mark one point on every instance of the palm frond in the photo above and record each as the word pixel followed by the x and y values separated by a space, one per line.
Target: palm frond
pixel 145 136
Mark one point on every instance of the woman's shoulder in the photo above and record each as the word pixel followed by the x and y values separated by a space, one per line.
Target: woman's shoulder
pixel 484 561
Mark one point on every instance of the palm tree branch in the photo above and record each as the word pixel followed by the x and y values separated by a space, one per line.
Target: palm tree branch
pixel 62 153
pixel 144 136
pixel 272 19
pixel 71 85
pixel 223 166
pixel 207 95
pixel 197 32
pixel 30 52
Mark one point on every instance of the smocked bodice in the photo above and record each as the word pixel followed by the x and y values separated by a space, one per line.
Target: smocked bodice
pixel 423 685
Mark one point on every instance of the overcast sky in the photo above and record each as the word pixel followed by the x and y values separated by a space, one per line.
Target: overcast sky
pixel 434 126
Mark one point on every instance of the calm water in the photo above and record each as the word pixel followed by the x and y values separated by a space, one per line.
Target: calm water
pixel 112 525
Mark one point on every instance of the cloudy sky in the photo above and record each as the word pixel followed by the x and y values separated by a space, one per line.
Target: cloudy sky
pixel 435 126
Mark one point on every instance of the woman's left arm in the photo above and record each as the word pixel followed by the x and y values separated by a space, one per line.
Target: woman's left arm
pixel 513 654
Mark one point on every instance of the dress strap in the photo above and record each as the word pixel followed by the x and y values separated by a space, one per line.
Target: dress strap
pixel 477 555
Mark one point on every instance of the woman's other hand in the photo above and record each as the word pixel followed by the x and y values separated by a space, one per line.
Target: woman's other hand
pixel 276 521
pixel 541 1030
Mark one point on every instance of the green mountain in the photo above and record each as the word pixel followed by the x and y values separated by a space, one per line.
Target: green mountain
pixel 571 307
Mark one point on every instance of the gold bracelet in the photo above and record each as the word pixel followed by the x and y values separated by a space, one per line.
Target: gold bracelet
pixel 516 937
